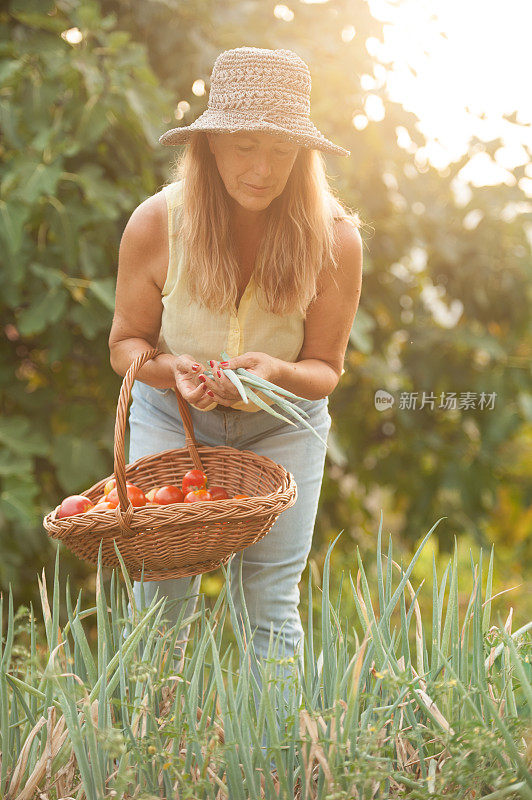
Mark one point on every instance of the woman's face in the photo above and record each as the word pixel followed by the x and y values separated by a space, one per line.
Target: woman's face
pixel 253 159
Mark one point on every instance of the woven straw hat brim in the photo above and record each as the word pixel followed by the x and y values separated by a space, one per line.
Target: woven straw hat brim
pixel 307 134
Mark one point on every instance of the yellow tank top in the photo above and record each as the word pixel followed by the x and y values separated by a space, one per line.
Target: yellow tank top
pixel 190 327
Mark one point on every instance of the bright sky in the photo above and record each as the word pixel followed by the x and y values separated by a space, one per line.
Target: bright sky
pixel 481 65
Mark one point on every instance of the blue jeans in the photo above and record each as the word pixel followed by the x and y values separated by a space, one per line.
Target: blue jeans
pixel 272 567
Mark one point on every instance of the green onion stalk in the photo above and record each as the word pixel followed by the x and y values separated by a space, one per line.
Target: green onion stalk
pixel 246 381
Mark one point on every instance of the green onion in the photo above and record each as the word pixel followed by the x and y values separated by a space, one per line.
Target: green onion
pixel 291 410
pixel 256 399
pixel 283 402
pixel 265 388
pixel 238 383
pixel 262 382
pixel 273 391
pixel 286 406
pixel 234 379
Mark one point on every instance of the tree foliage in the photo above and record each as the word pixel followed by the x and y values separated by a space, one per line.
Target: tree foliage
pixel 80 124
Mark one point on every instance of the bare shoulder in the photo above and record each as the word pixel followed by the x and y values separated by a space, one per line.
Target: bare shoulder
pixel 348 241
pixel 146 233
pixel 149 219
pixel 330 316
pixel 348 250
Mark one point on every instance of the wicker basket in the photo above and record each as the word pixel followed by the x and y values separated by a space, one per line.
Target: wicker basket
pixel 178 539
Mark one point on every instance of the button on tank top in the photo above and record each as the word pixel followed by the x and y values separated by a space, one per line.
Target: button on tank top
pixel 188 326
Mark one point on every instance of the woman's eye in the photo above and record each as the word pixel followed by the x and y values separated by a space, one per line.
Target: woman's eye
pixel 278 152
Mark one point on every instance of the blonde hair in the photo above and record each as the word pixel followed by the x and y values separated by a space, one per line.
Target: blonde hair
pixel 298 240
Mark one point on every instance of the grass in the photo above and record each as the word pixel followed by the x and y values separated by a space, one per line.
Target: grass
pixel 383 709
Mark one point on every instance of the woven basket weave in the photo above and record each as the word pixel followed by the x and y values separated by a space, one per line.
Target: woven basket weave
pixel 178 539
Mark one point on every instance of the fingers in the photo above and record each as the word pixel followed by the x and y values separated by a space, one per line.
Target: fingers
pixel 188 363
pixel 224 390
pixel 192 389
pixel 194 384
pixel 199 398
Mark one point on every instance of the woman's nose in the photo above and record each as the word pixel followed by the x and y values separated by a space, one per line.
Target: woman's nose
pixel 263 166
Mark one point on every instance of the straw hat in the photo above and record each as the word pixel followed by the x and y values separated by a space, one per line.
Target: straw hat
pixel 254 89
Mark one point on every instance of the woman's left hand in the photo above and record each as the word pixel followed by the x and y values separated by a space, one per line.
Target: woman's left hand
pixel 225 392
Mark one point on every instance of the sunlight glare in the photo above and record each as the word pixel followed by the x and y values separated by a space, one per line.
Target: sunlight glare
pixel 348 33
pixel 459 66
pixel 72 35
pixel 283 12
pixel 182 107
pixel 374 107
pixel 198 87
pixel 360 121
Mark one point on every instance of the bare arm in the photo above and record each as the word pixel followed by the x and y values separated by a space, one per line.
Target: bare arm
pixel 327 327
pixel 142 260
pixel 328 324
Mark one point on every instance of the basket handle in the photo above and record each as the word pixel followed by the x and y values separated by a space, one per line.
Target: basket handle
pixel 124 511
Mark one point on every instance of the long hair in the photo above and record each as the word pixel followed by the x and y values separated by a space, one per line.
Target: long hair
pixel 297 243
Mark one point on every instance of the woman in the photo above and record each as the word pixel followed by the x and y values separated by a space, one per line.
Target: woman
pixel 246 250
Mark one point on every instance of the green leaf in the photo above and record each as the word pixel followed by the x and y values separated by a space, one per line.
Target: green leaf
pixel 16 435
pixel 137 104
pixel 12 220
pixel 360 337
pixel 49 309
pixel 14 464
pixel 8 125
pixel 36 179
pixel 92 318
pixel 79 462
pixel 104 290
pixel 17 499
pixel 53 278
pixel 9 70
pixel 525 401
pixel 94 121
pixel 42 21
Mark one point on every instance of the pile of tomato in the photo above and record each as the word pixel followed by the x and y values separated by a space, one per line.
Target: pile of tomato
pixel 194 488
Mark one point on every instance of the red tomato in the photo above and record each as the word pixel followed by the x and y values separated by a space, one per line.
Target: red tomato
pixel 168 494
pixel 101 506
pixel 105 499
pixel 238 496
pixel 150 494
pixel 196 495
pixel 74 504
pixel 109 485
pixel 136 495
pixel 218 493
pixel 193 479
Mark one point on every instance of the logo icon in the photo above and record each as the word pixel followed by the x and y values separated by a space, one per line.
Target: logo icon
pixel 383 400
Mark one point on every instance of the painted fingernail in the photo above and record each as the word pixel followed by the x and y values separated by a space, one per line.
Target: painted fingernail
pixel 219 373
pixel 209 392
pixel 224 363
pixel 202 378
pixel 211 363
pixel 195 366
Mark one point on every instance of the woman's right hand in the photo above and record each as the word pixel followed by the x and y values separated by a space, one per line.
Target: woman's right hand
pixel 188 383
